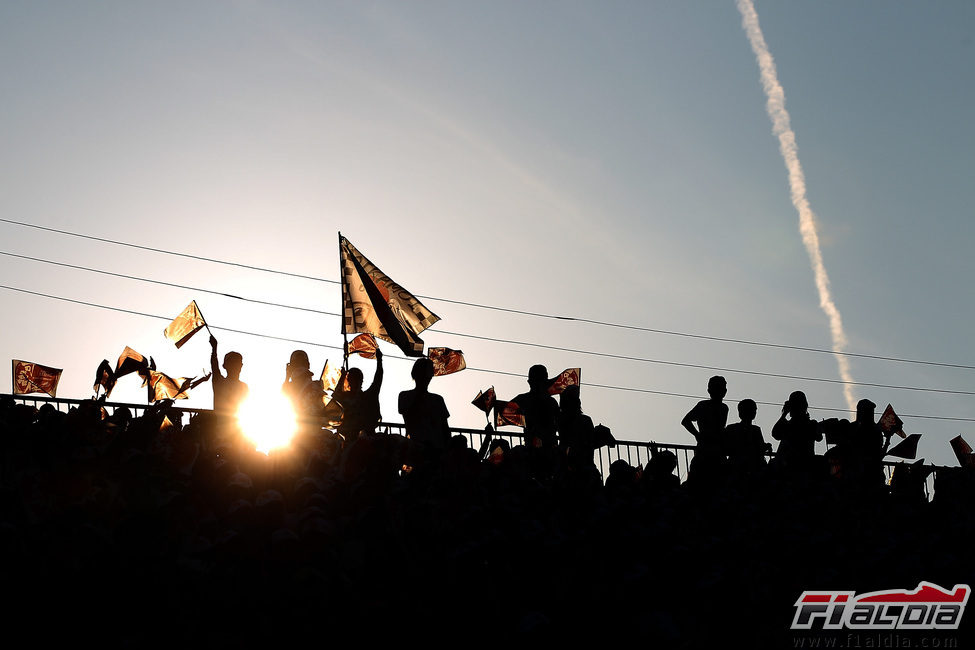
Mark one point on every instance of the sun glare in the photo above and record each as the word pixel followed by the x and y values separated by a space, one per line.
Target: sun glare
pixel 267 420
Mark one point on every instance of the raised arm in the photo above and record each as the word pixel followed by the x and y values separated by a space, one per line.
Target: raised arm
pixel 377 380
pixel 214 364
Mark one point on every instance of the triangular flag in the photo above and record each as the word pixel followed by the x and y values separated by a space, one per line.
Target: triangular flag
pixel 28 377
pixel 890 423
pixel 508 413
pixel 485 399
pixel 188 323
pixel 364 345
pixel 446 361
pixel 906 448
pixel 566 378
pixel 962 451
pixel 130 361
pixel 372 303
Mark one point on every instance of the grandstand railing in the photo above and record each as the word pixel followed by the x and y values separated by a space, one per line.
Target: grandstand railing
pixel 635 453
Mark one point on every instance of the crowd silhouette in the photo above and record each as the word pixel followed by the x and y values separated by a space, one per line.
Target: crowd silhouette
pixel 144 530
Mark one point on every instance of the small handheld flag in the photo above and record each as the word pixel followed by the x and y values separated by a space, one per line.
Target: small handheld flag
pixel 363 345
pixel 446 361
pixel 31 377
pixel 189 322
pixel 566 378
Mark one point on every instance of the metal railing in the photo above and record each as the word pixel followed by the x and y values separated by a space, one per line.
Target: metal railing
pixel 635 453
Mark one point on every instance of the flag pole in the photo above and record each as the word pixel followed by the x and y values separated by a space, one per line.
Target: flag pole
pixel 345 334
pixel 203 318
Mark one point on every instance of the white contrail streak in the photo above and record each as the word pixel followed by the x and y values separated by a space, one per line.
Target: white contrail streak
pixel 797 186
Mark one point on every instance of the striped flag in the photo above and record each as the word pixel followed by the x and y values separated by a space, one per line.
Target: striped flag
pixel 29 377
pixel 373 304
pixel 189 322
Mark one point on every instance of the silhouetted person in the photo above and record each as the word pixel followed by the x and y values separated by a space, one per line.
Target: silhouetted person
pixel 424 413
pixel 577 436
pixel 229 391
pixel 797 434
pixel 540 409
pixel 304 392
pixel 658 477
pixel 360 413
pixel 706 422
pixel 745 446
pixel 541 412
pixel 862 448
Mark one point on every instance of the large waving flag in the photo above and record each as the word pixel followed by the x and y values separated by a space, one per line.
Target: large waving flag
pixel 373 304
pixel 189 322
pixel 446 361
pixel 31 377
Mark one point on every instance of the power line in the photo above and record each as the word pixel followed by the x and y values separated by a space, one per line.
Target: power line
pixel 638 328
pixel 494 372
pixel 166 252
pixel 607 355
pixel 681 364
pixel 170 284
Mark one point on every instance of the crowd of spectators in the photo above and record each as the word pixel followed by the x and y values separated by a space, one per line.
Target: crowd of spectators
pixel 132 531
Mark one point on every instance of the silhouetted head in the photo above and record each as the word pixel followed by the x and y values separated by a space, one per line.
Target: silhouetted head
pixel 747 409
pixel 354 377
pixel 299 360
pixel 717 387
pixel 865 411
pixel 233 362
pixel 569 400
pixel 538 377
pixel 797 403
pixel 422 371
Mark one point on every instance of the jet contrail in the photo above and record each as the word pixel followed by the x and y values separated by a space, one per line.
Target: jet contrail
pixel 797 186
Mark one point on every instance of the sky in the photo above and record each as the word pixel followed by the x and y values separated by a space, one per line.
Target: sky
pixel 604 161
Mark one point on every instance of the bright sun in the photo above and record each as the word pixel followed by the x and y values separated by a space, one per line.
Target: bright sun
pixel 267 420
